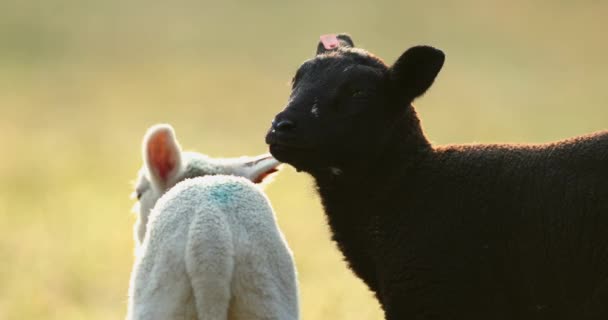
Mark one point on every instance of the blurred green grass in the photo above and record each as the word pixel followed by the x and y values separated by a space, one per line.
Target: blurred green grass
pixel 80 81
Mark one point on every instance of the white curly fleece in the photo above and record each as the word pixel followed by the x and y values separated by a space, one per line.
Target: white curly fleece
pixel 213 251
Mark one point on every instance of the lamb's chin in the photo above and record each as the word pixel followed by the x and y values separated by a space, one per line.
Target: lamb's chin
pixel 299 158
pixel 288 154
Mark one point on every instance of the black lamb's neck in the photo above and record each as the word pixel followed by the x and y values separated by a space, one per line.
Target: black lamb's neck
pixel 399 151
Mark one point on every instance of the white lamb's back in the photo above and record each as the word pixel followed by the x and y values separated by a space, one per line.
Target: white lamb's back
pixel 213 245
pixel 207 243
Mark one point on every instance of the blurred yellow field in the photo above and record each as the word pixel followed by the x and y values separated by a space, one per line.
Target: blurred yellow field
pixel 81 81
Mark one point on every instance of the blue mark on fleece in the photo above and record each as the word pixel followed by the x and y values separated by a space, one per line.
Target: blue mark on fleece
pixel 223 193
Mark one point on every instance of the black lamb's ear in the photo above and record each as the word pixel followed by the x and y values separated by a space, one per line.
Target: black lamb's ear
pixel 345 40
pixel 331 42
pixel 414 72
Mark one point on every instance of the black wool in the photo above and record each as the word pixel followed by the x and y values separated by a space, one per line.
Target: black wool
pixel 446 232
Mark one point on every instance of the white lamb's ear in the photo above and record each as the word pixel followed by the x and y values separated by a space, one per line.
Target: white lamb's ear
pixel 257 169
pixel 162 155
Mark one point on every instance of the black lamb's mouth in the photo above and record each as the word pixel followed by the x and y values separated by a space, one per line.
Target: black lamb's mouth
pixel 282 147
pixel 284 143
pixel 289 153
pixel 288 149
pixel 300 157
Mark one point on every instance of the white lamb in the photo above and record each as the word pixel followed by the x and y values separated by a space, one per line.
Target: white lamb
pixel 210 248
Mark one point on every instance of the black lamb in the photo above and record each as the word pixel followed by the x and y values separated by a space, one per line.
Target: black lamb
pixel 445 232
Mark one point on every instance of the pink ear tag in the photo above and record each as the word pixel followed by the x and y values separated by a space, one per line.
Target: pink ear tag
pixel 330 41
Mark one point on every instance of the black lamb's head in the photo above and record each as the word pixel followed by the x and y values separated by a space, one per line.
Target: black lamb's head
pixel 344 102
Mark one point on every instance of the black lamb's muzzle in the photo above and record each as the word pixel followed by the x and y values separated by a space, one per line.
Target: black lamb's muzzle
pixel 282 145
pixel 285 140
pixel 287 148
pixel 286 130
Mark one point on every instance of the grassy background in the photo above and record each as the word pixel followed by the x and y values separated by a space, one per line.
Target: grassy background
pixel 80 81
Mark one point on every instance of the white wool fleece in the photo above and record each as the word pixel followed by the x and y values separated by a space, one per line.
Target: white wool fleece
pixel 213 251
pixel 207 243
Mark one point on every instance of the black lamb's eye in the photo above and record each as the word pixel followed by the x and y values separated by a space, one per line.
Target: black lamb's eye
pixel 358 94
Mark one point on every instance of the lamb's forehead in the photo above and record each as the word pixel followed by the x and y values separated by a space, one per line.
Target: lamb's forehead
pixel 343 57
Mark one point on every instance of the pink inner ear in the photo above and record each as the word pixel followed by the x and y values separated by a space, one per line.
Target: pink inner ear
pixel 330 41
pixel 265 174
pixel 161 155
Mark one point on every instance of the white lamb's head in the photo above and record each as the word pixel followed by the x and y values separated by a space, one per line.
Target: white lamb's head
pixel 165 164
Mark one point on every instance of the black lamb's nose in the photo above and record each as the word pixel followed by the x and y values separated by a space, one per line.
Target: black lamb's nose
pixel 284 125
